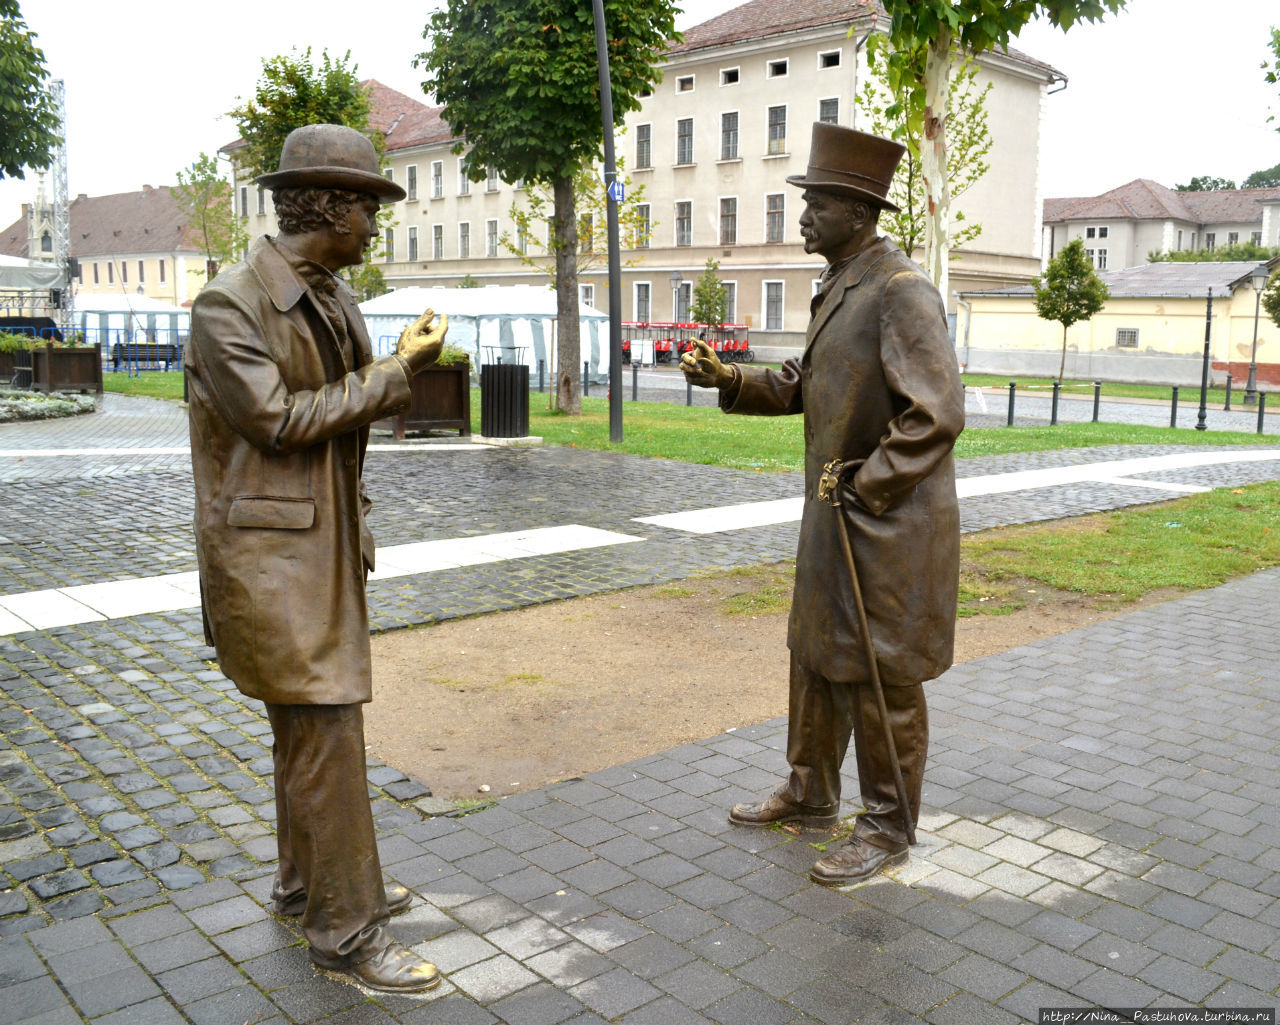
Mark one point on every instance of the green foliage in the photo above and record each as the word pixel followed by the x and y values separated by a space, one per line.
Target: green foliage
pixel 365 279
pixel 968 144
pixel 1219 254
pixel 1271 67
pixel 1267 179
pixel 154 384
pixel 1069 291
pixel 204 196
pixel 28 118
pixel 468 282
pixel 452 354
pixel 292 92
pixel 710 302
pixel 1271 300
pixel 1206 183
pixel 25 405
pixel 16 343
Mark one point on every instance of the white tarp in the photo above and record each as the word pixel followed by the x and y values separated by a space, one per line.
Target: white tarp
pixel 497 324
pixel 19 275
pixel 109 318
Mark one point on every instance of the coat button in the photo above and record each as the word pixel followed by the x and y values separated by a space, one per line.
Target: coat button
pixel 350 462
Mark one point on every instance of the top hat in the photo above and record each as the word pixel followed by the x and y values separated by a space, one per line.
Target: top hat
pixel 851 163
pixel 334 157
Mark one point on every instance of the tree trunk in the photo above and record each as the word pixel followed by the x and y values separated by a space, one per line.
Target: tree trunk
pixel 564 227
pixel 933 158
pixel 1062 367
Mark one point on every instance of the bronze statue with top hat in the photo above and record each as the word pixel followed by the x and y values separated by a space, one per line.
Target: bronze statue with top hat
pixel 283 386
pixel 877 564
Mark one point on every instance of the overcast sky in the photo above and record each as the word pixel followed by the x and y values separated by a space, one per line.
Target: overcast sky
pixel 1166 90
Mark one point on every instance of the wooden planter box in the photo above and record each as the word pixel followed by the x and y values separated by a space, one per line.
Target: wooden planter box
pixel 440 400
pixel 67 368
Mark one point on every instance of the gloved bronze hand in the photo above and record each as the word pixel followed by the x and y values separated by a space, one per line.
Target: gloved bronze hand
pixel 420 343
pixel 702 367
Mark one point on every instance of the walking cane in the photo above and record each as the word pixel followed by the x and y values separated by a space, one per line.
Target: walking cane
pixel 828 491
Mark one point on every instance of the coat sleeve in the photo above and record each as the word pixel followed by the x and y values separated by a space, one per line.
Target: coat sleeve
pixel 920 369
pixel 765 392
pixel 237 367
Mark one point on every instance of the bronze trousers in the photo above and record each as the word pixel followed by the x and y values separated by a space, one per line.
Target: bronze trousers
pixel 822 717
pixel 325 831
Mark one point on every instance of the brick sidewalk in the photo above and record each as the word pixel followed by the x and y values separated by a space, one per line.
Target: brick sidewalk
pixel 1101 822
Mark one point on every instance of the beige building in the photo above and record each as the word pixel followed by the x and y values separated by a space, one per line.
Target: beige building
pixel 1123 227
pixel 134 243
pixel 711 147
pixel 1151 330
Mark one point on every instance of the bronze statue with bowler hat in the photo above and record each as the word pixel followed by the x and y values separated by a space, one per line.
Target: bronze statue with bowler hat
pixel 877 564
pixel 283 385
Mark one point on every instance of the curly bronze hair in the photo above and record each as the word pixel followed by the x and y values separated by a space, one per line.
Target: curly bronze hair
pixel 304 208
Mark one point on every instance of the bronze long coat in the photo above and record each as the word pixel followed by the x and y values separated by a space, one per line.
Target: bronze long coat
pixel 279 417
pixel 878 384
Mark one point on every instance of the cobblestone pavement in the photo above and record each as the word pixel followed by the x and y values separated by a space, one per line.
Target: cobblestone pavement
pixel 1101 821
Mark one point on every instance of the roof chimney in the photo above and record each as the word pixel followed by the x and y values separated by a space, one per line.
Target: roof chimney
pixel 146 188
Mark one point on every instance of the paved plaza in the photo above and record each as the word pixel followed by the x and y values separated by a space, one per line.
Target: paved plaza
pixel 1100 824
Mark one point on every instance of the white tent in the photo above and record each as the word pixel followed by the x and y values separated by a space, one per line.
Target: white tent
pixel 110 317
pixel 497 324
pixel 19 275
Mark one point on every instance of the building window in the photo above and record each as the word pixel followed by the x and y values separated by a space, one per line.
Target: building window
pixel 643 226
pixel 46 243
pixel 729 76
pixel 95 274
pixel 464 183
pixel 729 221
pixel 1101 262
pixel 586 234
pixel 641 305
pixel 437 179
pixel 142 272
pixel 464 240
pixel 684 223
pixel 124 272
pixel 437 241
pixel 684 141
pixel 491 180
pixel 1126 337
pixel 1089 255
pixel 160 263
pixel 1233 237
pixel 775 208
pixel 684 84
pixel 729 135
pixel 413 244
pixel 777 130
pixel 522 238
pixel 644 145
pixel 491 238
pixel 1211 240
pixel 1256 238
pixel 684 295
pixel 111 273
pixel 773 305
pixel 730 302
pixel 587 295
pixel 777 69
pixel 1180 239
pixel 830 59
pixel 829 111
pixel 389 174
pixel 262 200
pixel 390 238
pixel 411 181
pixel 1096 231
pixel 244 202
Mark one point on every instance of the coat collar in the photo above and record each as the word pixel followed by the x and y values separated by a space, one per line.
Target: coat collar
pixel 850 277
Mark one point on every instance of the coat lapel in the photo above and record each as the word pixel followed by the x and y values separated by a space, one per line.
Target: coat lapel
pixel 852 275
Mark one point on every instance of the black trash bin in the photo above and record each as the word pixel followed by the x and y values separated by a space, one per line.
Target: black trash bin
pixel 504 400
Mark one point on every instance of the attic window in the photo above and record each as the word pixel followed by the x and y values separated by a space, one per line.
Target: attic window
pixel 830 59
pixel 684 84
pixel 777 69
pixel 729 76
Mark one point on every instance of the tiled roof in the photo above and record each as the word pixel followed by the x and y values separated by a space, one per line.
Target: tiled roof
pixel 129 222
pixel 404 121
pixel 1143 199
pixel 1167 279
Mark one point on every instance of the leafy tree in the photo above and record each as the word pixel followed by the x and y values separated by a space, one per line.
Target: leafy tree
pixel 710 302
pixel 533 240
pixel 1219 254
pixel 28 118
pixel 1268 179
pixel 520 83
pixel 1272 67
pixel 1271 300
pixel 923 40
pixel 293 92
pixel 1206 183
pixel 204 196
pixel 1069 291
pixel 468 282
pixel 970 143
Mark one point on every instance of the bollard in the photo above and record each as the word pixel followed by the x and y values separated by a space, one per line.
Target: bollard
pixel 1053 412
pixel 1227 405
pixel 1262 408
pixel 586 378
pixel 1173 412
pixel 688 392
pixel 1013 387
pixel 1097 399
pixel 635 381
pixel 542 383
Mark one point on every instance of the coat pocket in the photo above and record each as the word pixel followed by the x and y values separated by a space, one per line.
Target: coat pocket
pixel 277 513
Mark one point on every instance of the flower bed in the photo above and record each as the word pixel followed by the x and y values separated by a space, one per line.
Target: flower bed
pixel 25 405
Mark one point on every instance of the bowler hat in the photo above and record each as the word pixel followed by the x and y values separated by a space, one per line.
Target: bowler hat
pixel 851 163
pixel 333 157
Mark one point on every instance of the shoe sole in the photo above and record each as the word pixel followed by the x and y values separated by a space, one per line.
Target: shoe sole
pixel 815 822
pixel 390 989
pixel 891 861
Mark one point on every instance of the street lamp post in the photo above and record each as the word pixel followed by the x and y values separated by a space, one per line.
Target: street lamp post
pixel 676 280
pixel 1260 275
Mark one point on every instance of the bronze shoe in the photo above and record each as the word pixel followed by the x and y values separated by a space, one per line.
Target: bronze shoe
pixel 777 807
pixel 395 969
pixel 857 859
pixel 398 900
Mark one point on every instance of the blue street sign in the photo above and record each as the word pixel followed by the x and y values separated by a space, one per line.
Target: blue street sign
pixel 616 191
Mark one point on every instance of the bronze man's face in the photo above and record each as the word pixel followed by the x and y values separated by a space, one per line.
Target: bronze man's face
pixel 361 223
pixel 829 225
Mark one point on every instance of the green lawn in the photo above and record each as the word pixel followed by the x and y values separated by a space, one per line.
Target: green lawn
pixel 154 384
pixel 1216 397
